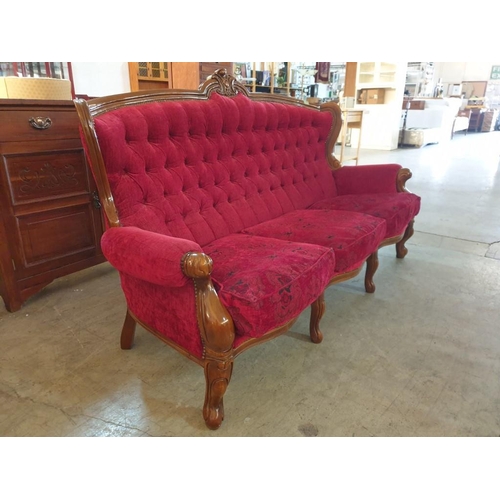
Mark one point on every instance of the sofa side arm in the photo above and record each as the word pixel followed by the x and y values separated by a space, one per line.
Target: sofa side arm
pixel 371 179
pixel 152 257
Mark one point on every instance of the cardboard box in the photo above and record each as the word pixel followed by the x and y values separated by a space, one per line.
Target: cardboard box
pixel 371 96
pixel 375 96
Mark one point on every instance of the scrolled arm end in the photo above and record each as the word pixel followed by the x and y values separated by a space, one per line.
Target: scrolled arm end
pixel 196 265
pixel 404 174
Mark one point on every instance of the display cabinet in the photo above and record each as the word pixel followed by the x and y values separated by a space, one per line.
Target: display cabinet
pixel 172 75
pixel 149 75
pixel 287 78
pixel 163 75
pixel 419 79
pixel 376 74
pixel 267 77
pixel 379 93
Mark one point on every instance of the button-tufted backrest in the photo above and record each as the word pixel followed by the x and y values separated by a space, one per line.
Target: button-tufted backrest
pixel 202 169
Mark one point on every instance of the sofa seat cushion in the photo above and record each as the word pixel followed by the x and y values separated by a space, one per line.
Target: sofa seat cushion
pixel 353 236
pixel 397 209
pixel 266 282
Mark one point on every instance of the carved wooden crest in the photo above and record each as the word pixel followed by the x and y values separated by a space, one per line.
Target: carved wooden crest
pixel 224 84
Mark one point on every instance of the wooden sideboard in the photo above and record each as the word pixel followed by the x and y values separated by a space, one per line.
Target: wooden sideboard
pixel 50 215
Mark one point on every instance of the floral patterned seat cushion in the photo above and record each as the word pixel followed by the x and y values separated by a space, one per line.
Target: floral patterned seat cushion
pixel 266 282
pixel 397 209
pixel 353 236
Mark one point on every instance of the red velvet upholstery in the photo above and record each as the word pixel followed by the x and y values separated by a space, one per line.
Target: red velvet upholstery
pixel 266 282
pixel 171 311
pixel 201 170
pixel 366 179
pixel 371 189
pixel 396 209
pixel 352 236
pixel 146 255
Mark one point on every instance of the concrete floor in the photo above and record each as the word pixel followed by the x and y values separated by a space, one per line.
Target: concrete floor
pixel 420 357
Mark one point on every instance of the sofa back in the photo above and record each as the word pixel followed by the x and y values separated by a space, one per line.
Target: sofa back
pixel 201 169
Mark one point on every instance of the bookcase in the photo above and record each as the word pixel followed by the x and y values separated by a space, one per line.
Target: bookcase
pixel 379 90
pixel 163 75
pixel 287 78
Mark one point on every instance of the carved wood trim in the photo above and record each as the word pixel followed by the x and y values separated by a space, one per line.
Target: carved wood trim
pixel 401 250
pixel 317 311
pixel 403 175
pixel 266 337
pixel 371 269
pixel 128 331
pixel 334 109
pixel 215 322
pixel 391 241
pixel 346 276
pixel 217 335
pixel 223 83
pixel 96 160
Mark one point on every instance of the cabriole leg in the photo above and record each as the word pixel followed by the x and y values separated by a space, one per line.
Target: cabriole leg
pixel 371 268
pixel 217 377
pixel 128 332
pixel 401 250
pixel 317 311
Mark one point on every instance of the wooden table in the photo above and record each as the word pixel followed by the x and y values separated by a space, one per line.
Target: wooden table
pixel 351 119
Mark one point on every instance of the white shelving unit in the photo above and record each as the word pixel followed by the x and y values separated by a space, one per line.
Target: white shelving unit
pixel 420 79
pixel 381 121
pixel 377 74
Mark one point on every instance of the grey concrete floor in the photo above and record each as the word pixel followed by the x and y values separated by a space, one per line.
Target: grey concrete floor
pixel 420 357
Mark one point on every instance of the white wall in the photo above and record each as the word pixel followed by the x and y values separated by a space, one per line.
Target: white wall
pixel 97 79
pixel 458 72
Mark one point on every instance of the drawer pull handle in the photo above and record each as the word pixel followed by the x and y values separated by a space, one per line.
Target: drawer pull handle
pixel 40 123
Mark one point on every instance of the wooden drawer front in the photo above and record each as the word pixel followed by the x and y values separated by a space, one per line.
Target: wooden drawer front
pixel 56 234
pixel 15 125
pixel 53 174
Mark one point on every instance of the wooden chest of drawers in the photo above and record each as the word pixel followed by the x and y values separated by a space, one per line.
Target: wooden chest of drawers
pixel 50 217
pixel 489 120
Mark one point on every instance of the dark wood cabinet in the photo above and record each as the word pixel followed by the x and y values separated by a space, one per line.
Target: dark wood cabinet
pixel 50 216
pixel 475 119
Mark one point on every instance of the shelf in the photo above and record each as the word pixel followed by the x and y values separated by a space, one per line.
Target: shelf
pixel 379 85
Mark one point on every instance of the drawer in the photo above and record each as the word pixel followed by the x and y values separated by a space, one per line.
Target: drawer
pixel 38 124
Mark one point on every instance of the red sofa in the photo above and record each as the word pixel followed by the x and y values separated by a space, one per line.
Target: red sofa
pixel 228 215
